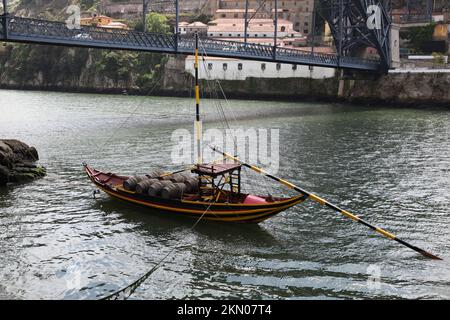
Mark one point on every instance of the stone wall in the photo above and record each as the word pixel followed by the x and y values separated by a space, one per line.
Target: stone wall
pixel 401 89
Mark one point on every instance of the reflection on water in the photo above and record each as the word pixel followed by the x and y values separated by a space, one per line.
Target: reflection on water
pixel 391 166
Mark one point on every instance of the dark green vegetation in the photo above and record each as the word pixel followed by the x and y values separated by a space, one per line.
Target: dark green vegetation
pixel 25 65
pixel 156 22
pixel 419 37
pixel 47 66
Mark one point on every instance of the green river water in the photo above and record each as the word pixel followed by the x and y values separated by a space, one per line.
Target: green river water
pixel 389 165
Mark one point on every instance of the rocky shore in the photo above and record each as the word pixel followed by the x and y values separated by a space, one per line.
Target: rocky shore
pixel 18 162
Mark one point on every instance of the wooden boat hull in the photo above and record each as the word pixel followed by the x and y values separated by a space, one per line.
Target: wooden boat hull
pixel 228 212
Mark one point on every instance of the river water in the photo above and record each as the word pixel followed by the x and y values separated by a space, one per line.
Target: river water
pixel 389 165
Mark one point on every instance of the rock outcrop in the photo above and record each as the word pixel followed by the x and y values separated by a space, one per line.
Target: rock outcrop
pixel 17 162
pixel 402 89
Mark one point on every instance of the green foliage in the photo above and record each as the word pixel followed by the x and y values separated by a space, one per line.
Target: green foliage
pixel 200 17
pixel 438 58
pixel 49 65
pixel 152 77
pixel 157 23
pixel 87 4
pixel 419 36
pixel 117 65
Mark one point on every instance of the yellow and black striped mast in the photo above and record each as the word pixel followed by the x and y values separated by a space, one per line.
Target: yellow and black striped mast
pixel 330 205
pixel 198 122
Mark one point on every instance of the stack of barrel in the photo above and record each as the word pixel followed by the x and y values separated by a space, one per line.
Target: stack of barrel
pixel 159 184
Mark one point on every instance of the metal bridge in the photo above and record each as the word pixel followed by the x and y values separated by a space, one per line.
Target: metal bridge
pixel 347 19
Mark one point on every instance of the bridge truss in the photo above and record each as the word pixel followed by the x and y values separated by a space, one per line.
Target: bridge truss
pixel 346 18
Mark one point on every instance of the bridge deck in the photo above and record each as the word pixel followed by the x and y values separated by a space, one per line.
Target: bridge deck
pixel 28 30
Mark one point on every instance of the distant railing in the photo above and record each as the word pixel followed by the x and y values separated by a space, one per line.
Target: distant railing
pixel 43 31
pixel 416 18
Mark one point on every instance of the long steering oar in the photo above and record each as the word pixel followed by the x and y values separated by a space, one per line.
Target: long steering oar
pixel 330 205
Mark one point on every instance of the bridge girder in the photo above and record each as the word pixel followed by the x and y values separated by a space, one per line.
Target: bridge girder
pixel 348 22
pixel 347 19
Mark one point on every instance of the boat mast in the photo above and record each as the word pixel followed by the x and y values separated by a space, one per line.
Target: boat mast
pixel 198 123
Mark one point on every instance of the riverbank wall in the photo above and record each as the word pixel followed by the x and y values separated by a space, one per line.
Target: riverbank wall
pixel 400 88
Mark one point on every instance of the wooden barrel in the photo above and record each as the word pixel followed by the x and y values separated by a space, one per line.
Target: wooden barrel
pixel 186 175
pixel 131 183
pixel 154 174
pixel 191 184
pixel 143 185
pixel 173 191
pixel 155 189
pixel 177 178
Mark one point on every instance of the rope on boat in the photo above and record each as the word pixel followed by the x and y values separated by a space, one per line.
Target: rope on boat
pixel 127 291
pixel 330 205
pixel 221 111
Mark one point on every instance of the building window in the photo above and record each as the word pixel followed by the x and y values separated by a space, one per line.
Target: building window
pixel 236 16
pixel 210 66
pixel 283 29
pixel 225 67
pixel 263 66
pixel 278 66
pixel 294 67
pixel 239 66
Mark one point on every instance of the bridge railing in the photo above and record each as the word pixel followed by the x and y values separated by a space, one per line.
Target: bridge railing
pixel 2 26
pixel 187 44
pixel 35 30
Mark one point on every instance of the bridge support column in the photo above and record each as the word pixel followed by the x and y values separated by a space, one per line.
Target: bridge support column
pixel 395 46
pixel 341 88
pixel 5 19
pixel 177 22
pixel 275 32
pixel 246 22
pixel 144 14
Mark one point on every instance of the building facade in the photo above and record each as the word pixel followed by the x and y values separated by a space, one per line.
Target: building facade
pixel 299 12
pixel 257 28
pixel 233 69
pixel 133 8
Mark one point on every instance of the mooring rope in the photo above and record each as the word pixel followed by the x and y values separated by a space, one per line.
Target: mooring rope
pixel 131 288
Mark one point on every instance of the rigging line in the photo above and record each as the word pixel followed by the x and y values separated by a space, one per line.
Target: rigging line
pixel 222 114
pixel 221 111
pixel 122 124
pixel 224 96
pixel 223 93
pixel 211 91
pixel 209 77
pixel 136 284
pixel 249 186
pixel 132 114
